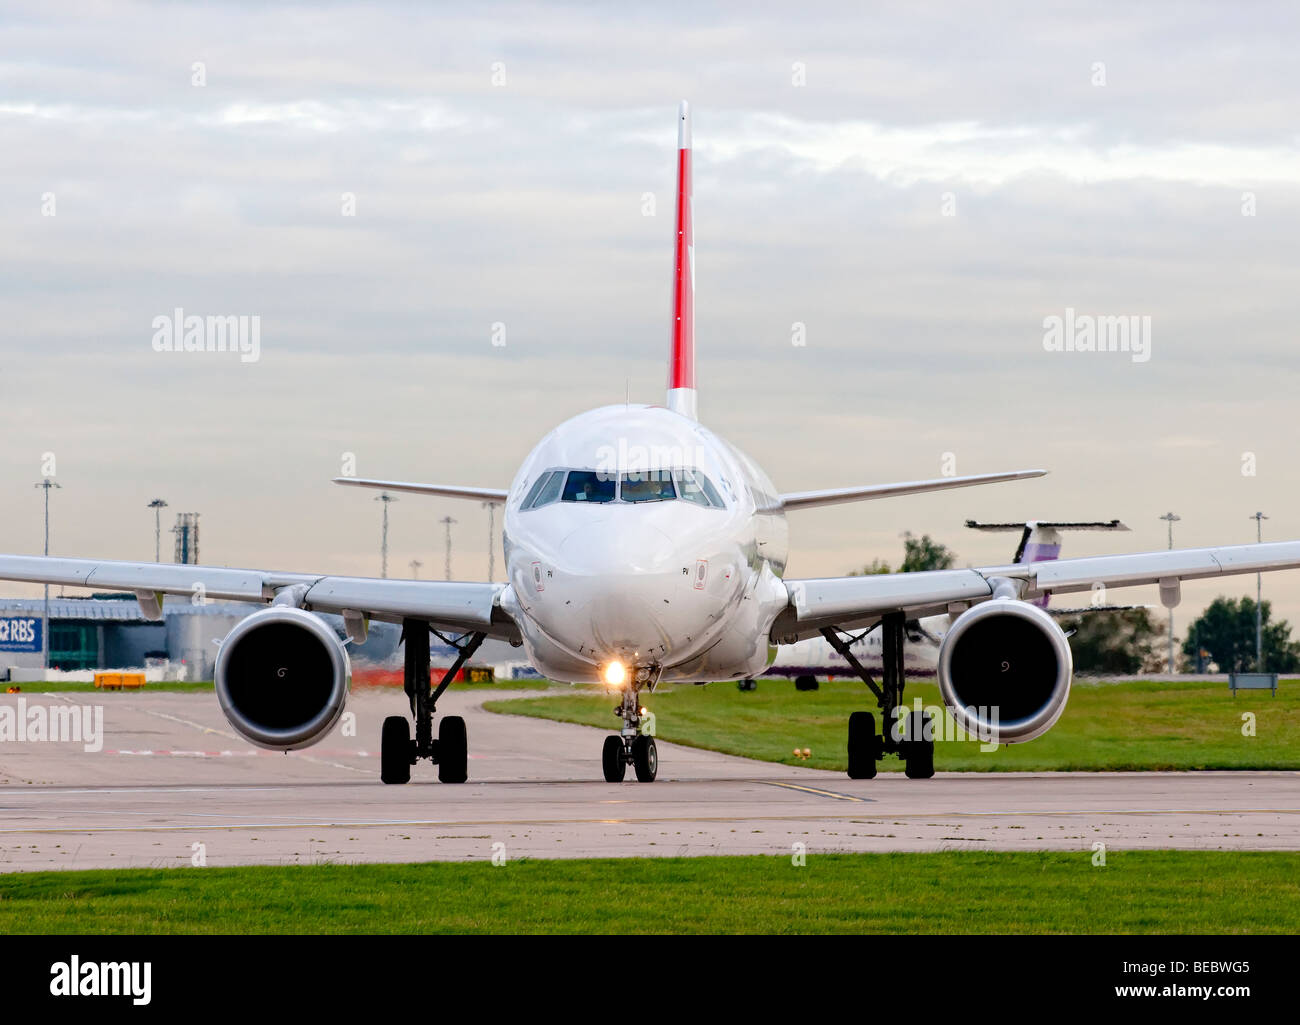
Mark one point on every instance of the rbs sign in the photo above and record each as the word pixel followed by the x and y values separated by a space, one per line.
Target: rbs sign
pixel 20 633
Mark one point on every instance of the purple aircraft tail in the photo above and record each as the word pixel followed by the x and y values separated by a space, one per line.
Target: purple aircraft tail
pixel 1040 540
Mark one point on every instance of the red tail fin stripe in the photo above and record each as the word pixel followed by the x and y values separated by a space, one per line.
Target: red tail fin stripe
pixel 681 368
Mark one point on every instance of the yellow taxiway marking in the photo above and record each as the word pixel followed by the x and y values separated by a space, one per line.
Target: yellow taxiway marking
pixel 813 790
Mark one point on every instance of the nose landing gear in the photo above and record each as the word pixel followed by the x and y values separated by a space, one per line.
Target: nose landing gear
pixel 633 746
pixel 641 753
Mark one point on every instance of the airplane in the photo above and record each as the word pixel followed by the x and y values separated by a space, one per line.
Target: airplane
pixel 642 548
pixel 805 661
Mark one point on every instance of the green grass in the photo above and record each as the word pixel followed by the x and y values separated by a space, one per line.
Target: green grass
pixel 62 686
pixel 1106 726
pixel 469 688
pixel 959 892
pixel 65 687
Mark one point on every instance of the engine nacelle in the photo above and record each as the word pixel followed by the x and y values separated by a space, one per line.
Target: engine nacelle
pixel 1010 656
pixel 282 678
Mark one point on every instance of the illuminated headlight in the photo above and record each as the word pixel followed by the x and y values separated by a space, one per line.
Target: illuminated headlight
pixel 615 674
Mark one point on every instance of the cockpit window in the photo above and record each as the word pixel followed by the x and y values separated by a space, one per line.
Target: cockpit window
pixel 647 486
pixel 545 491
pixel 694 487
pixel 531 501
pixel 588 486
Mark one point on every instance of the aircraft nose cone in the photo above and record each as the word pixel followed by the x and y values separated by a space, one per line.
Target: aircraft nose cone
pixel 617 550
pixel 626 574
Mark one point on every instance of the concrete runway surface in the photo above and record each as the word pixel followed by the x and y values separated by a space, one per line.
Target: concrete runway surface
pixel 172 775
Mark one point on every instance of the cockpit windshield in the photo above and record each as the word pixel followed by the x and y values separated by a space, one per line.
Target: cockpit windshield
pixel 649 486
pixel 598 487
pixel 694 487
pixel 588 486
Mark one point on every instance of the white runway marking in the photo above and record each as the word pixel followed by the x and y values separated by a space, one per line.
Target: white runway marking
pixel 236 737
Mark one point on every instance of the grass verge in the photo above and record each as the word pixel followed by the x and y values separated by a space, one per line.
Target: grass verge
pixel 958 892
pixel 1106 726
pixel 65 687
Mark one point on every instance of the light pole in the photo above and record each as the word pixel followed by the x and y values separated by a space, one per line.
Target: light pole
pixel 384 497
pixel 447 521
pixel 1171 519
pixel 415 565
pixel 1259 518
pixel 157 505
pixel 492 533
pixel 46 483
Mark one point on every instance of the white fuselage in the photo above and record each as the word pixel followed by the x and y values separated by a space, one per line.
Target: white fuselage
pixel 687 589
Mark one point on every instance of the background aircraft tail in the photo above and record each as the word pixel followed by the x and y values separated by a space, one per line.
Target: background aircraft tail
pixel 1040 540
pixel 681 364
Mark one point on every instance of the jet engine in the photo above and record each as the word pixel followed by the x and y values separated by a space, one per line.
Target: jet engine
pixel 282 678
pixel 1004 671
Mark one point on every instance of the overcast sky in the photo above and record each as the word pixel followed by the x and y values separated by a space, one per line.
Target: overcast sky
pixel 919 185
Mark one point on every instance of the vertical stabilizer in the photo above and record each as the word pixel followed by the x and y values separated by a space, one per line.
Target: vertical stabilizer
pixel 681 365
pixel 1040 540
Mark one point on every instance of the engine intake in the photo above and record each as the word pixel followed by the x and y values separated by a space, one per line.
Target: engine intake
pixel 1009 656
pixel 282 678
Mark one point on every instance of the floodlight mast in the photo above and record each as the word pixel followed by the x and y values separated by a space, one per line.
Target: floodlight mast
pixel 386 498
pixel 1171 519
pixel 157 505
pixel 492 533
pixel 1259 518
pixel 447 521
pixel 46 483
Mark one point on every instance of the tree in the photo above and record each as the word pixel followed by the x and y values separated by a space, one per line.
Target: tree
pixel 919 553
pixel 1115 642
pixel 877 566
pixel 1226 630
pixel 924 553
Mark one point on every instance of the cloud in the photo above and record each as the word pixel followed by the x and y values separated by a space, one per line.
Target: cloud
pixel 523 205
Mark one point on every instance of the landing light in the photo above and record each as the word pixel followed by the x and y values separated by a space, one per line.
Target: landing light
pixel 615 674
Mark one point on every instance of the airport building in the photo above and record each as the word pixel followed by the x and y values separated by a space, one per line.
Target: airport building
pixel 108 631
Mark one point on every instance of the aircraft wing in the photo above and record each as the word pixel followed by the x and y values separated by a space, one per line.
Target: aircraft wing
pixel 448 605
pixel 837 496
pixel 858 601
pixel 496 496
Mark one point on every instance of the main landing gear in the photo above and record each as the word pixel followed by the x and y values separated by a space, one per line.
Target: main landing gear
pixel 397 751
pixel 913 740
pixel 631 746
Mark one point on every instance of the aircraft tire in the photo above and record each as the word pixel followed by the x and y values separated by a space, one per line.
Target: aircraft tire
pixel 863 746
pixel 612 760
pixel 453 750
pixel 395 750
pixel 645 759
